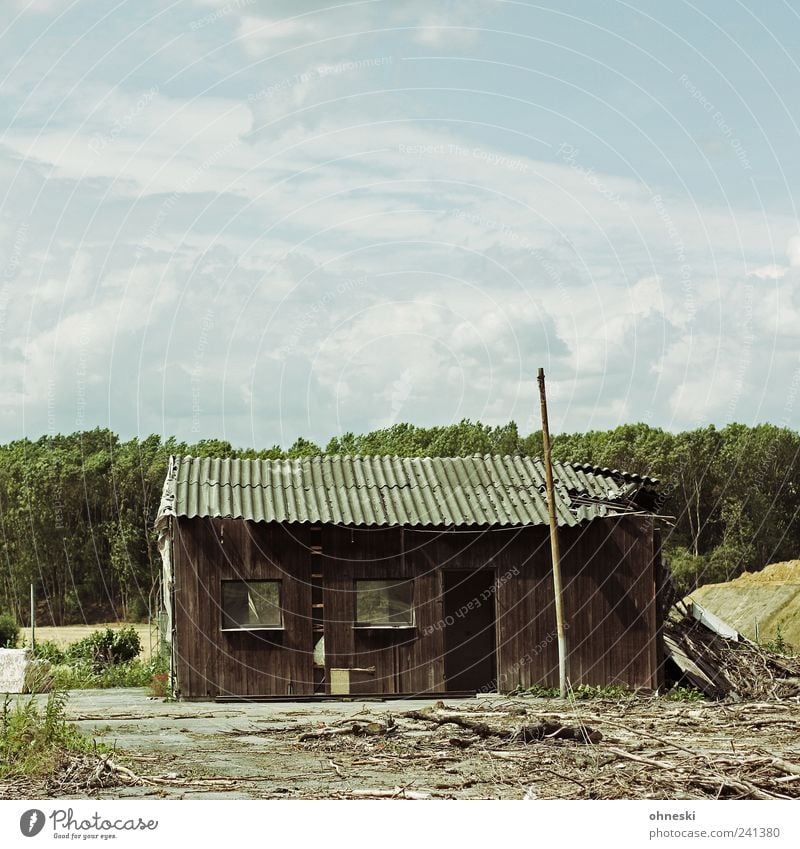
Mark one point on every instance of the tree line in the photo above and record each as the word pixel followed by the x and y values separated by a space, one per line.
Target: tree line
pixel 77 510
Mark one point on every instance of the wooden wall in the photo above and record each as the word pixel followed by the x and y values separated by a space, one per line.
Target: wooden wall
pixel 210 662
pixel 405 661
pixel 609 583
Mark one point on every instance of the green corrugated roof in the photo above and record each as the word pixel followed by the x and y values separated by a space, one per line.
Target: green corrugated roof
pixel 383 490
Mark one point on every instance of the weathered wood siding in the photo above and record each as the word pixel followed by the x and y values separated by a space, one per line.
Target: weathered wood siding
pixel 211 662
pixel 610 593
pixel 610 601
pixel 405 661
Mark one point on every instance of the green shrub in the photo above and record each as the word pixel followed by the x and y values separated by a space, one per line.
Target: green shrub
pixel 722 563
pixel 105 648
pixel 688 571
pixel 82 675
pixel 138 610
pixel 728 560
pixel 9 632
pixel 48 650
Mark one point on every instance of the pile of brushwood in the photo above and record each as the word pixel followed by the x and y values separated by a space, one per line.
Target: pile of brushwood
pixel 725 668
pixel 744 743
pixel 631 748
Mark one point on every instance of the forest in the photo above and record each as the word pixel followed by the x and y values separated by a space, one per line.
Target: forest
pixel 77 511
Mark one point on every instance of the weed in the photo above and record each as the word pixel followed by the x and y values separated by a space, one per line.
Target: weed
pixel 33 741
pixel 83 675
pixel 684 694
pixel 582 691
pixel 779 644
pixel 609 691
pixel 159 685
pixel 539 691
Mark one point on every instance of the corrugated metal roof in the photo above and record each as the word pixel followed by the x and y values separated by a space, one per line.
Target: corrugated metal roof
pixel 383 490
pixel 615 473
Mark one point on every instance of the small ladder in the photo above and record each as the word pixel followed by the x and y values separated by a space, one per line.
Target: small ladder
pixel 317 603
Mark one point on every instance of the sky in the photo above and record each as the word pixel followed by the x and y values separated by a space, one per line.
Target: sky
pixel 256 220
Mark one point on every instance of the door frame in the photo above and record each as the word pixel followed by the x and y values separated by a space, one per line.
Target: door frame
pixel 491 571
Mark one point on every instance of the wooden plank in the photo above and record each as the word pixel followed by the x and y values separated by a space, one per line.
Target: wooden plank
pixel 236 663
pixel 609 586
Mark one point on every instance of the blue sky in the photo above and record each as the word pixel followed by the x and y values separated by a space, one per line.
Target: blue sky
pixel 257 220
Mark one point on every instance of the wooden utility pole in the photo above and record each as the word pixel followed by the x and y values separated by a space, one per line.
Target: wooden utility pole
pixel 554 551
pixel 33 618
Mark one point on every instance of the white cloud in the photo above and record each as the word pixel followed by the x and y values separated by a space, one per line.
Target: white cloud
pixel 438 31
pixel 264 36
pixel 169 145
pixel 466 257
pixel 769 272
pixel 793 251
pixel 41 7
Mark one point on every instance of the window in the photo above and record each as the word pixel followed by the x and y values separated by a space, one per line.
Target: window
pixel 251 605
pixel 384 604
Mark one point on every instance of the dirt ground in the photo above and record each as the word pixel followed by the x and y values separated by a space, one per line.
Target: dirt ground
pixel 65 635
pixel 485 748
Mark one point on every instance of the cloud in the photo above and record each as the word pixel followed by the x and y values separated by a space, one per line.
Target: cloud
pixel 159 143
pixel 793 251
pixel 366 252
pixel 769 272
pixel 41 7
pixel 435 30
pixel 264 36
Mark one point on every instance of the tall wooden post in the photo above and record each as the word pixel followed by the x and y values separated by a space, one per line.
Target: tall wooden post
pixel 554 551
pixel 33 618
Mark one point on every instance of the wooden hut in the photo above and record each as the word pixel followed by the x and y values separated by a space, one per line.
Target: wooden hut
pixel 343 575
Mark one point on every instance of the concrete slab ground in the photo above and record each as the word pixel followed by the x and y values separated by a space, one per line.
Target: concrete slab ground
pixel 480 748
pixel 234 750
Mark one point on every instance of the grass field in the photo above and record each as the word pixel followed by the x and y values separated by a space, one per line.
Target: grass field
pixel 65 635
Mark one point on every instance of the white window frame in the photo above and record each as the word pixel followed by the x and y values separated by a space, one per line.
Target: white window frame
pixel 244 628
pixel 384 626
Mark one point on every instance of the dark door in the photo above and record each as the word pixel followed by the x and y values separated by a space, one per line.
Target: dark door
pixel 469 635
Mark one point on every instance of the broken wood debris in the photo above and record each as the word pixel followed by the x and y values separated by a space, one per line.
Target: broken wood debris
pixel 723 667
pixel 522 733
pixel 356 728
pixel 644 748
pixel 439 715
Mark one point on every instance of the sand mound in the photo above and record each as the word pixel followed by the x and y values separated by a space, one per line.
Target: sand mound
pixel 770 599
pixel 787 572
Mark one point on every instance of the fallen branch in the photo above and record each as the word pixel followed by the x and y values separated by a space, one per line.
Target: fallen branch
pixel 397 793
pixel 649 761
pixel 525 733
pixel 794 769
pixel 357 729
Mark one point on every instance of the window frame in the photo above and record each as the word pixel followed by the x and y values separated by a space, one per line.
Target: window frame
pixel 364 626
pixel 247 628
